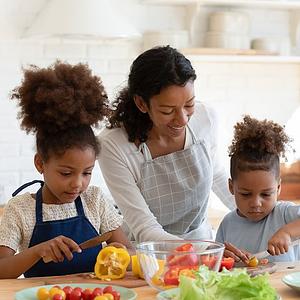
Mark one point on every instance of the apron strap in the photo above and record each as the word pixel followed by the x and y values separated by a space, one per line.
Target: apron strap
pixel 79 206
pixel 22 187
pixel 39 206
pixel 194 137
pixel 146 152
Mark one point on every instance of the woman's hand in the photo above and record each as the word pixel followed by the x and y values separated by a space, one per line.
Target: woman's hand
pixel 235 253
pixel 57 249
pixel 279 243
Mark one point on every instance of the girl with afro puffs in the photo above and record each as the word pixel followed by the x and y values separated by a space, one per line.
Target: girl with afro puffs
pixel 260 222
pixel 59 104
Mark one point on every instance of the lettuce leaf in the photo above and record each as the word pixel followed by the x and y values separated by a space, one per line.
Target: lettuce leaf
pixel 225 285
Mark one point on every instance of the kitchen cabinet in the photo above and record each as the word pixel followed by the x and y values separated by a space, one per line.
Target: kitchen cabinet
pixel 282 4
pixel 291 6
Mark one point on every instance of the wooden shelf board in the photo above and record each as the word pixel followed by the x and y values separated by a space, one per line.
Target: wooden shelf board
pixel 244 58
pixel 286 4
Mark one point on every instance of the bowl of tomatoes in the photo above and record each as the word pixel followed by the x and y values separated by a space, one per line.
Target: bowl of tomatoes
pixel 163 262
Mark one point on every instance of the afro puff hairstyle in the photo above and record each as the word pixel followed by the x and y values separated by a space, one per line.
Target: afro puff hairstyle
pixel 257 145
pixel 60 104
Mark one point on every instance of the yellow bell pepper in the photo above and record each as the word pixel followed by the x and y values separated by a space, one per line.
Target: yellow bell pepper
pixel 136 268
pixel 111 263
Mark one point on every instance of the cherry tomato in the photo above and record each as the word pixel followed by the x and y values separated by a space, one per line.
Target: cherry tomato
pixel 77 288
pixel 116 295
pixel 100 298
pixel 108 289
pixel 96 292
pixel 183 259
pixel 227 263
pixel 57 297
pixel 86 294
pixel 68 290
pixel 109 296
pixel 54 290
pixel 253 262
pixel 42 294
pixel 75 295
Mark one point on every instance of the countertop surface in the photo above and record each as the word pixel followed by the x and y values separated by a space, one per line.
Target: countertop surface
pixel 8 287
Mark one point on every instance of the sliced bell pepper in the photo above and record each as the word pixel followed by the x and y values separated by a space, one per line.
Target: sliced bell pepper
pixel 111 263
pixel 183 259
pixel 208 261
pixel 136 268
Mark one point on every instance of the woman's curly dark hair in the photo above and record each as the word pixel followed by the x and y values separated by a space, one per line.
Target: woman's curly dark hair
pixel 59 104
pixel 257 145
pixel 152 71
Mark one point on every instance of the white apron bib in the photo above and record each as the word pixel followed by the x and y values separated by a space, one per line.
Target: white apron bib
pixel 176 188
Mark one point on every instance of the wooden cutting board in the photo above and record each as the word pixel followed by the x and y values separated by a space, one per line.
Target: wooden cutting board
pixel 129 281
pixel 260 269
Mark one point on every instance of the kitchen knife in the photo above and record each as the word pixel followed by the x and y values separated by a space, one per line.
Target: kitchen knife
pixel 265 253
pixel 95 241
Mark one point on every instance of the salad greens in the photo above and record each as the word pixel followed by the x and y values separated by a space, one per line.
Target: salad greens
pixel 225 285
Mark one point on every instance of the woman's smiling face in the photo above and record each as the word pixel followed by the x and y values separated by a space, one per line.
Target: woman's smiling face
pixel 171 109
pixel 255 193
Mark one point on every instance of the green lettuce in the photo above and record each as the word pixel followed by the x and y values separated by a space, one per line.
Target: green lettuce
pixel 225 285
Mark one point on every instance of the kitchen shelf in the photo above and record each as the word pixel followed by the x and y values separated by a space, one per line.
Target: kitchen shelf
pixel 280 4
pixel 244 58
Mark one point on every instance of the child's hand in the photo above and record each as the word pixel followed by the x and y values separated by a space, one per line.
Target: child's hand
pixel 57 249
pixel 279 243
pixel 235 253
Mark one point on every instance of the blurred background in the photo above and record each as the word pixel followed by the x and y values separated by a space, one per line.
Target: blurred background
pixel 246 55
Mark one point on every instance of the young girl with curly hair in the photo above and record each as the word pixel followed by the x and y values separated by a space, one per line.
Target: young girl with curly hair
pixel 59 104
pixel 260 222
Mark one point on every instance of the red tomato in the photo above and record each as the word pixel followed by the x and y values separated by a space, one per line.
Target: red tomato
pixel 77 288
pixel 227 262
pixel 86 294
pixel 75 294
pixel 57 297
pixel 108 289
pixel 116 295
pixel 171 277
pixel 96 292
pixel 208 260
pixel 185 259
pixel 68 290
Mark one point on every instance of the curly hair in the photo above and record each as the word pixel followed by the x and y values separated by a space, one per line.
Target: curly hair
pixel 152 71
pixel 60 104
pixel 257 145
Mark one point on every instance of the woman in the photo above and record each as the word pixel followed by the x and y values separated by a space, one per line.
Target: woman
pixel 159 154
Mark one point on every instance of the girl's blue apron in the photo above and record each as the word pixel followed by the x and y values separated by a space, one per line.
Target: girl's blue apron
pixel 77 228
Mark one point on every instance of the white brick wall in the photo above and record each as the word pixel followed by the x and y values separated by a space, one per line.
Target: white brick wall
pixel 264 90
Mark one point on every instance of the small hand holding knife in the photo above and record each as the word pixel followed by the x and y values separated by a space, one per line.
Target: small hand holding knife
pixel 93 242
pixel 265 253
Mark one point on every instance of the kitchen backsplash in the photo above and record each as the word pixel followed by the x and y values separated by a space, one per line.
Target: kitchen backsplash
pixel 268 90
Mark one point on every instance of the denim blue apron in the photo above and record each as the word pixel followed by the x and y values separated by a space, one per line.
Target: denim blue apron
pixel 77 228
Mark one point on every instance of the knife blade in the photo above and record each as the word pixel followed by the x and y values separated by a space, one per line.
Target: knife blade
pixel 263 254
pixel 95 241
